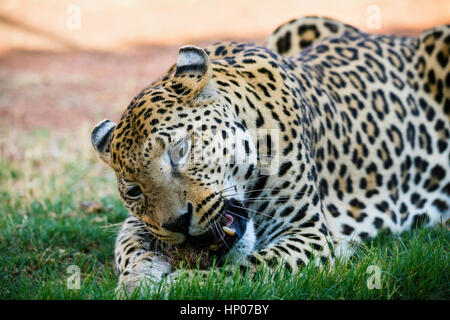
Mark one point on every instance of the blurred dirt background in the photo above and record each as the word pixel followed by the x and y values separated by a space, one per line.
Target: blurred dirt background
pixel 53 76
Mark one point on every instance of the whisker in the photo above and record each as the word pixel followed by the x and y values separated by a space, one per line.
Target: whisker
pixel 255 211
pixel 249 191
pixel 284 199
pixel 112 225
pixel 228 195
pixel 260 199
pixel 225 190
pixel 260 177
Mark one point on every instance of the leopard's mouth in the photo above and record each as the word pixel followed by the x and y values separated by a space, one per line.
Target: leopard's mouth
pixel 221 238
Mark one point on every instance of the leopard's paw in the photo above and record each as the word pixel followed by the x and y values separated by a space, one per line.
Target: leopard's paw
pixel 143 275
pixel 131 283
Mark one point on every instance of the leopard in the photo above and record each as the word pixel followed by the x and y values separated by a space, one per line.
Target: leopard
pixel 283 154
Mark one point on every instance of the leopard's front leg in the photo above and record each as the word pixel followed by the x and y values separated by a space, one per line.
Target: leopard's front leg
pixel 294 244
pixel 293 250
pixel 137 263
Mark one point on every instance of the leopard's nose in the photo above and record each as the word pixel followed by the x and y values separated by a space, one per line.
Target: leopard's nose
pixel 182 223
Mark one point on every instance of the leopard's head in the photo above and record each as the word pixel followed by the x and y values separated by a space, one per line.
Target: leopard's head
pixel 179 151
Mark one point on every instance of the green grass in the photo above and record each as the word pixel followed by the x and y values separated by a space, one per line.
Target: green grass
pixel 45 177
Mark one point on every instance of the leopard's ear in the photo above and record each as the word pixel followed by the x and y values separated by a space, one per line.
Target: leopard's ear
pixel 192 72
pixel 101 136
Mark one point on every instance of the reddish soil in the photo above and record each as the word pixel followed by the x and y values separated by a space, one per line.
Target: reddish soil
pixel 56 78
pixel 62 89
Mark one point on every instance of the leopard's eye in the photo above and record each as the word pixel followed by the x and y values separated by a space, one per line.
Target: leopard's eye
pixel 133 193
pixel 180 152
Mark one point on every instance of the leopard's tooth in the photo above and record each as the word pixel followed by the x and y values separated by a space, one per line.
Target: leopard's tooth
pixel 228 231
pixel 214 247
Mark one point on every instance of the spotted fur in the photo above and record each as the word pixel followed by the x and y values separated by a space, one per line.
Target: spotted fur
pixel 362 127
